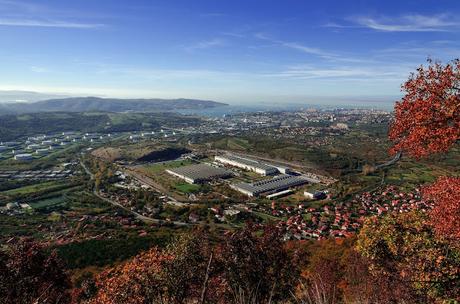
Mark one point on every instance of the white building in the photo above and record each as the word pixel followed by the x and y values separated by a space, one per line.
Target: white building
pixel 33 146
pixel 318 195
pixel 308 195
pixel 42 151
pixel 16 152
pixel 246 164
pixel 269 186
pixel 23 157
pixel 199 173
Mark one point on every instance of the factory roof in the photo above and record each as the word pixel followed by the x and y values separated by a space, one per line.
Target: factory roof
pixel 247 162
pixel 277 183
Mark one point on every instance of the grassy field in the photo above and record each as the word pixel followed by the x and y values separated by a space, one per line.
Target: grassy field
pixel 32 188
pixel 159 168
pixel 45 196
pixel 187 188
pixel 238 144
pixel 48 202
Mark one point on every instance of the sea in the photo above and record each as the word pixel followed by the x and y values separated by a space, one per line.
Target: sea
pixel 255 107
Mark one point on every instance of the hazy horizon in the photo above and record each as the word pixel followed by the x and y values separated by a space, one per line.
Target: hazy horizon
pixel 382 102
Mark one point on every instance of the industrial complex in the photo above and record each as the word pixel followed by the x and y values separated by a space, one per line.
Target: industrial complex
pixel 199 173
pixel 282 183
pixel 278 183
pixel 251 164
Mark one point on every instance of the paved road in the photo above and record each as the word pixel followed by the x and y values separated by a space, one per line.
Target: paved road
pixel 137 215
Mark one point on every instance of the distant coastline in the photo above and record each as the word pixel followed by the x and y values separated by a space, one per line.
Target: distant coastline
pixel 251 108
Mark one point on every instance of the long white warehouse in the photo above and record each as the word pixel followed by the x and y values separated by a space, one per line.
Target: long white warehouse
pixel 246 164
pixel 23 157
pixel 279 183
pixel 199 173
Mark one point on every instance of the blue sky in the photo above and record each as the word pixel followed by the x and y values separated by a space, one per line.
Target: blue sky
pixel 237 51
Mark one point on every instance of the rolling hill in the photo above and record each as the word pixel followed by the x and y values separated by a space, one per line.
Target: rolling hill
pixel 87 104
pixel 13 126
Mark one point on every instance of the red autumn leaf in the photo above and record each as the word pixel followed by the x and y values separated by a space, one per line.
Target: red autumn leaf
pixel 427 119
pixel 445 217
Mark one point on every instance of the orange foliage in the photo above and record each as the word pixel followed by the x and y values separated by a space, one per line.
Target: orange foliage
pixel 134 282
pixel 427 119
pixel 404 248
pixel 445 217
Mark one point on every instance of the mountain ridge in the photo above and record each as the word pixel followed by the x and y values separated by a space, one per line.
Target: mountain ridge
pixel 90 103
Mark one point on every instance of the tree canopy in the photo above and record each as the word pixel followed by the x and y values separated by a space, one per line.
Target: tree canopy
pixel 427 119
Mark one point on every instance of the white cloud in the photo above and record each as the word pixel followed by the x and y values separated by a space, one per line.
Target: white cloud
pixel 324 54
pixel 206 44
pixel 334 72
pixel 295 45
pixel 409 23
pixel 47 23
pixel 305 49
pixel 29 14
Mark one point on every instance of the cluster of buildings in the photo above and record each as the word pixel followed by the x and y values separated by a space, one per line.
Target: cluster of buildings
pixel 284 179
pixel 343 220
pixel 165 133
pixel 311 127
pixel 297 120
pixel 38 146
pixel 128 183
pixel 393 200
pixel 128 199
pixel 281 183
pixel 345 115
